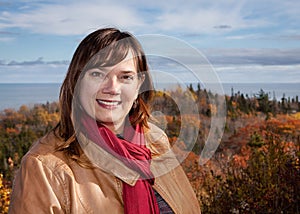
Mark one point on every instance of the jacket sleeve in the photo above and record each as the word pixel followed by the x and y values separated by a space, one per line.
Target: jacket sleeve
pixel 37 189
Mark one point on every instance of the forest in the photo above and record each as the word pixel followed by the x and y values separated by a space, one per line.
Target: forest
pixel 255 168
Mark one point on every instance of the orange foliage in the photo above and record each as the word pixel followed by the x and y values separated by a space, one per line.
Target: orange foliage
pixel 240 160
pixel 12 131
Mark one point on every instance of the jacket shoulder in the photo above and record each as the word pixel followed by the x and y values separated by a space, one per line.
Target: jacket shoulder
pixel 157 140
pixel 44 151
pixel 42 173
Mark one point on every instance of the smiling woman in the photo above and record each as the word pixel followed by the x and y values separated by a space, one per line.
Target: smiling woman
pixel 109 93
pixel 104 155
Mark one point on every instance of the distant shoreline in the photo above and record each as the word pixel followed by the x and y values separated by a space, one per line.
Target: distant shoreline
pixel 13 95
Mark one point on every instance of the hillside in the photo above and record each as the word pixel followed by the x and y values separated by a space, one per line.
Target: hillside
pixel 255 168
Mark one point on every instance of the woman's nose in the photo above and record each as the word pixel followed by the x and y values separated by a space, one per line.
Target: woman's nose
pixel 110 85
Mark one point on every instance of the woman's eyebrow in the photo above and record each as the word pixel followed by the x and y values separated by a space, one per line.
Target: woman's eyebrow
pixel 100 69
pixel 127 71
pixel 121 70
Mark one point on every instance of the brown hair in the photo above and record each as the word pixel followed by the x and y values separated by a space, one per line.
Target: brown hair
pixel 104 47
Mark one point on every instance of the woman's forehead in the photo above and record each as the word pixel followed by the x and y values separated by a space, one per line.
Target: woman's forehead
pixel 128 64
pixel 129 61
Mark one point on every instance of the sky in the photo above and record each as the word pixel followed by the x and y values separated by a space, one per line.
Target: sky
pixel 254 41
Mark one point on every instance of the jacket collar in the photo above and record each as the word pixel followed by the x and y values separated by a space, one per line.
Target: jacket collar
pixel 107 162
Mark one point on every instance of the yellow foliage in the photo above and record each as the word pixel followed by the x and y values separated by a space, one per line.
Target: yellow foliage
pixel 4 196
pixel 296 116
pixel 213 109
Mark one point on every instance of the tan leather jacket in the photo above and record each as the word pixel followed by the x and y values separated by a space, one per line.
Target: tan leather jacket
pixel 48 182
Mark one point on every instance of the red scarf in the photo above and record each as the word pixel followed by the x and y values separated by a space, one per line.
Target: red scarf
pixel 132 151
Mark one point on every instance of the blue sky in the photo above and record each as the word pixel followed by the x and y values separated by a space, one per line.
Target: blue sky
pixel 245 40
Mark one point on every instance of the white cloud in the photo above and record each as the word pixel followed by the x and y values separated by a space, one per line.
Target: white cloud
pixel 232 70
pixel 72 18
pixel 6 39
pixel 79 17
pixel 41 71
pixel 196 17
pixel 256 65
pixel 260 56
pixel 259 73
pixel 30 72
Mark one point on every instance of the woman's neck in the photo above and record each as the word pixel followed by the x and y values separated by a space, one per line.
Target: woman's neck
pixel 116 128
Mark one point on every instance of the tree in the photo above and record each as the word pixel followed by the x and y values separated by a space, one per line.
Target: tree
pixel 264 103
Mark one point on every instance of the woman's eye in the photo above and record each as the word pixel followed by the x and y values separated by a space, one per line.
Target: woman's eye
pixel 97 74
pixel 128 77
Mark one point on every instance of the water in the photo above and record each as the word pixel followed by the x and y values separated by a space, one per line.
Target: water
pixel 13 95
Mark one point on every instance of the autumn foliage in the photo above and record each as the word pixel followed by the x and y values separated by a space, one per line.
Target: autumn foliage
pixel 261 175
pixel 255 169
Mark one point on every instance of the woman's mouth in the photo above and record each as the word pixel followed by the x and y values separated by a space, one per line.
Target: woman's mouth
pixel 108 103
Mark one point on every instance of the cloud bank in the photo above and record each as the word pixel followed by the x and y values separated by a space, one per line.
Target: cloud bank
pixel 37 71
pixel 195 16
pixel 235 65
pixel 219 23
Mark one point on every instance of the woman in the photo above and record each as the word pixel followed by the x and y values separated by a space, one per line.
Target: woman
pixel 104 156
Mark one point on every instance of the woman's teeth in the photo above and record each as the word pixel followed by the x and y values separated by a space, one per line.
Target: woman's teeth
pixel 109 103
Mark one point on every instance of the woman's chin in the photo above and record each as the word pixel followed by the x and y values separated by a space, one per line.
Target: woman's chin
pixel 109 120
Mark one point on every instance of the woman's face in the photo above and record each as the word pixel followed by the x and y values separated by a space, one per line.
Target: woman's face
pixel 108 93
